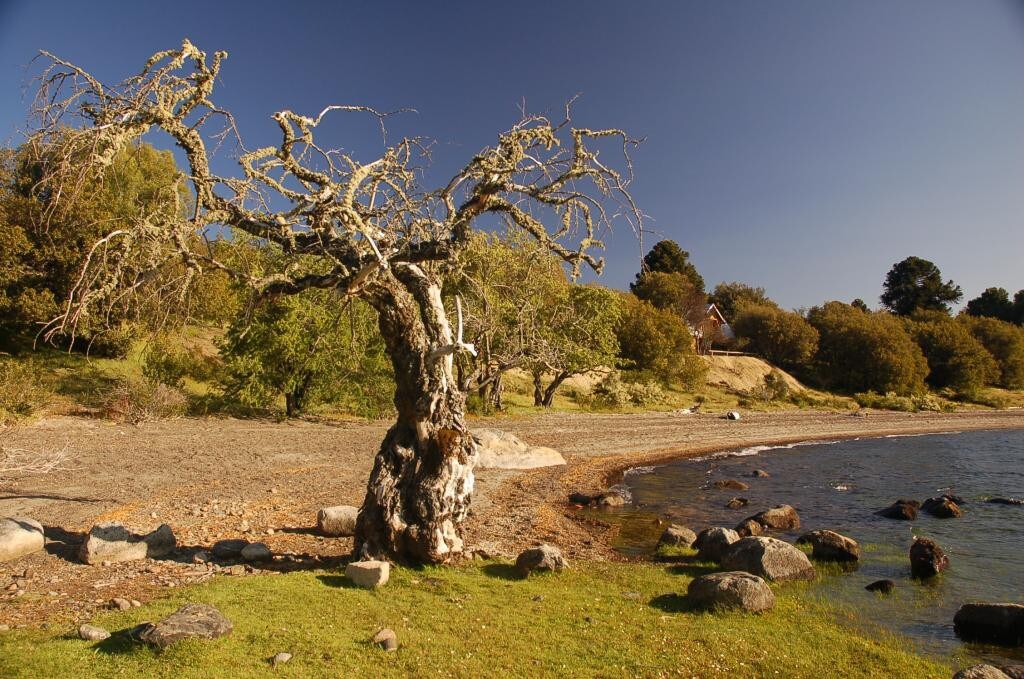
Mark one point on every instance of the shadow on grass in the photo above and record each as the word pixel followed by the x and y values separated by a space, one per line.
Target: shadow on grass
pixel 672 603
pixel 694 569
pixel 337 581
pixel 502 571
pixel 124 641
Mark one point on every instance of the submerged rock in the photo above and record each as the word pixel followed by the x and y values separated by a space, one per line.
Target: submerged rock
pixel 770 558
pixel 904 510
pixel 828 545
pixel 942 507
pixel 731 484
pixel 760 474
pixel 992 623
pixel 1005 501
pixel 737 503
pixel 927 559
pixel 882 586
pixel 731 591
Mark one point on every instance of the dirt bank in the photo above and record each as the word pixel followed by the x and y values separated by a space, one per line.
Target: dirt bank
pixel 214 479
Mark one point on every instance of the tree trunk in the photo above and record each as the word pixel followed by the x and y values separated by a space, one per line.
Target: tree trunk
pixel 549 393
pixel 538 390
pixel 422 479
pixel 496 394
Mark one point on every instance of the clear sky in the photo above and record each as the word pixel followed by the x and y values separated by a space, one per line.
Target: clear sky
pixel 800 145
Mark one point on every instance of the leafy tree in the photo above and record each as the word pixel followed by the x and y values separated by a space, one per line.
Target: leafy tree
pixel 309 348
pixel 915 284
pixel 657 341
pixel 1005 342
pixel 956 360
pixel 578 334
pixel 784 338
pixel 667 257
pixel 730 297
pixel 993 303
pixel 1018 308
pixel 673 292
pixel 860 351
pixel 860 304
pixel 373 230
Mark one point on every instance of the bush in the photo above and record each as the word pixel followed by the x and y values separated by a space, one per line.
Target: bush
pixel 612 392
pixel 782 337
pixel 657 341
pixel 862 351
pixel 773 388
pixel 24 389
pixel 956 360
pixel 893 401
pixel 136 400
pixel 1005 342
pixel 166 360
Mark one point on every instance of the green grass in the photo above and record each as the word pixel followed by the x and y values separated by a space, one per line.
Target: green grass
pixel 479 621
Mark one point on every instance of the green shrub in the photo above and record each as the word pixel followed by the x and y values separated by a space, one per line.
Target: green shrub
pixel 657 341
pixel 956 360
pixel 907 404
pixel 136 400
pixel 773 388
pixel 612 392
pixel 1005 342
pixel 782 337
pixel 24 389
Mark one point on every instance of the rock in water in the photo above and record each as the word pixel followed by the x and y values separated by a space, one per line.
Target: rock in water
pixel 386 639
pixel 993 623
pixel 927 559
pixel 831 546
pixel 904 510
pixel 502 450
pixel 942 507
pixel 760 474
pixel 114 543
pixel 779 517
pixel 192 621
pixel 256 551
pixel 677 536
pixel 770 558
pixel 337 521
pixel 981 672
pixel 731 484
pixel 882 586
pixel 542 558
pixel 733 590
pixel 748 527
pixel 1006 501
pixel 368 574
pixel 19 536
pixel 712 543
pixel 92 633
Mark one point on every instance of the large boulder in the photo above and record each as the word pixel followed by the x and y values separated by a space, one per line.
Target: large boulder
pixel 927 559
pixel 542 558
pixel 677 536
pixel 19 536
pixel 192 621
pixel 780 517
pixel 337 521
pixel 770 558
pixel 992 623
pixel 502 450
pixel 904 510
pixel 730 591
pixel 115 543
pixel 981 672
pixel 942 507
pixel 712 543
pixel 828 545
pixel 368 574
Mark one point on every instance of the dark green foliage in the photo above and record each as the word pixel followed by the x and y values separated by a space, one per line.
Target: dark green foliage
pixel 860 351
pixel 658 341
pixel 667 257
pixel 993 303
pixel 956 360
pixel 915 284
pixel 313 347
pixel 730 297
pixel 783 338
pixel 860 304
pixel 1005 342
pixel 24 389
pixel 1018 308
pixel 673 292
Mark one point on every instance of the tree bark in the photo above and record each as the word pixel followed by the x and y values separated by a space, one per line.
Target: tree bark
pixel 549 393
pixel 422 479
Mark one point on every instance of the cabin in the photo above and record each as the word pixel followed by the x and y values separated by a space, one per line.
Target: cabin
pixel 712 329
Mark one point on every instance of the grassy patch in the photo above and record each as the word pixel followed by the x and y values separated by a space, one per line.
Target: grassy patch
pixel 599 619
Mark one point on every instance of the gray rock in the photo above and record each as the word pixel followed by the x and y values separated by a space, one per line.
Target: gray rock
pixel 731 590
pixel 228 549
pixel 92 633
pixel 256 551
pixel 280 659
pixel 19 536
pixel 713 542
pixel 981 672
pixel 368 574
pixel 502 450
pixel 927 559
pixel 748 527
pixel 993 623
pixel 677 536
pixel 120 603
pixel 828 545
pixel 114 543
pixel 542 558
pixel 192 621
pixel 779 517
pixel 881 586
pixel 386 639
pixel 770 558
pixel 337 521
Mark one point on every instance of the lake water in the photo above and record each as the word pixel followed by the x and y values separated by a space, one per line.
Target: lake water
pixel 840 486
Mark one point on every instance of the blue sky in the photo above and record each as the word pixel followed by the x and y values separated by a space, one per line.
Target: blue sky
pixel 799 145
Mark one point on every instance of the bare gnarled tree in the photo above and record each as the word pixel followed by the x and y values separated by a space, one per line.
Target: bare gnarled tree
pixel 366 229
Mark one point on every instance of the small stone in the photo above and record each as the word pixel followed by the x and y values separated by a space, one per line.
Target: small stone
pixel 244 526
pixel 256 551
pixel 386 639
pixel 927 559
pixel 106 564
pixel 136 603
pixel 280 659
pixel 120 603
pixel 368 574
pixel 537 597
pixel 270 531
pixel 760 474
pixel 92 633
pixel 542 558
pixel 882 586
pixel 749 527
pixel 779 517
pixel 152 515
